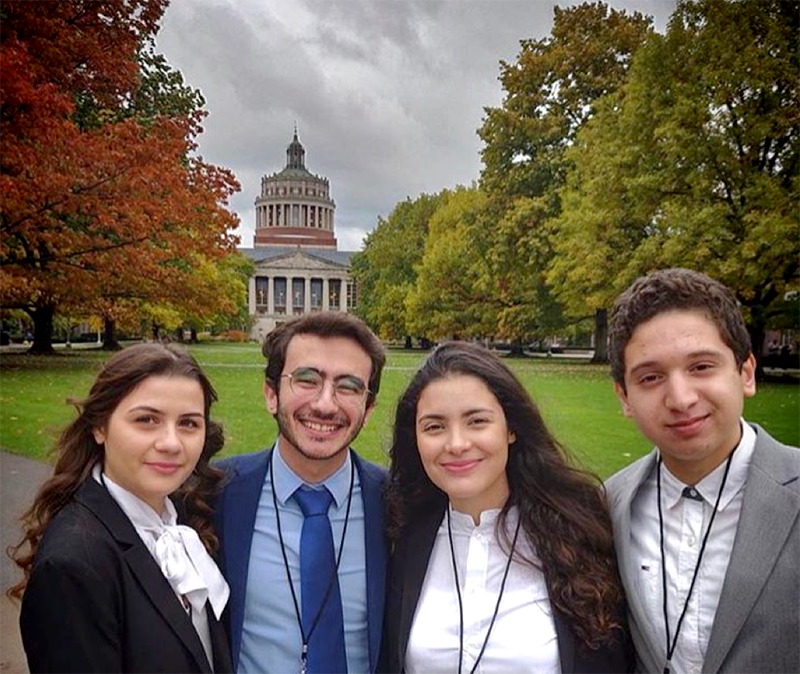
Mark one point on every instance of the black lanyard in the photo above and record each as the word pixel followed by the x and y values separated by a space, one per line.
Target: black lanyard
pixel 461 606
pixel 674 642
pixel 307 637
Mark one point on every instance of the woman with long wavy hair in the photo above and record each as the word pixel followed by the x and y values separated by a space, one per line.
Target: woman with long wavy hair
pixel 112 583
pixel 503 556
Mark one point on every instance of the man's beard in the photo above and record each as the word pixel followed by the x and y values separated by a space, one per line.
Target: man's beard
pixel 285 429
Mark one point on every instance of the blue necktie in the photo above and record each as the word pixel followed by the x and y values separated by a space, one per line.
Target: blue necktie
pixel 317 567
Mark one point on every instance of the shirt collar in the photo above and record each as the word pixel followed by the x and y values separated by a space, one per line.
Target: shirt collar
pixel 141 514
pixel 709 486
pixel 463 523
pixel 287 482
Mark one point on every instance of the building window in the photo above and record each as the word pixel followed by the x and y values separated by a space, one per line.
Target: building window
pixel 262 294
pixel 298 295
pixel 279 284
pixel 352 295
pixel 334 294
pixel 316 294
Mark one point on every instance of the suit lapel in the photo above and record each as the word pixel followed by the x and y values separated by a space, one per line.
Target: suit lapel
pixel 566 642
pixel 626 560
pixel 143 567
pixel 374 553
pixel 219 644
pixel 419 545
pixel 240 503
pixel 163 597
pixel 769 510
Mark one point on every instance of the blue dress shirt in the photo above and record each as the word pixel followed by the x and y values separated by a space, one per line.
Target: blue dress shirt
pixel 271 639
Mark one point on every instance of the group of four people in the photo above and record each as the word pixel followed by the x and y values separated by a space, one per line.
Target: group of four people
pixel 484 549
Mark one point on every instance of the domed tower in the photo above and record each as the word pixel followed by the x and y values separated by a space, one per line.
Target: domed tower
pixel 295 207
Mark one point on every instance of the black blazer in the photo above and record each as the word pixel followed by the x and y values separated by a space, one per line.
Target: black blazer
pixel 407 568
pixel 97 601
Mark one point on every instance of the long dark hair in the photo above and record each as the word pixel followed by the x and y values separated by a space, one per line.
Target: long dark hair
pixel 78 451
pixel 562 508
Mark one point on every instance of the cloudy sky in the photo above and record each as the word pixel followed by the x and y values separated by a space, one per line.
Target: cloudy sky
pixel 387 94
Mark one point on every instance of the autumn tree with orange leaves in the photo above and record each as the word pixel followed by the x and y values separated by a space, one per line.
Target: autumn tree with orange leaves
pixel 102 198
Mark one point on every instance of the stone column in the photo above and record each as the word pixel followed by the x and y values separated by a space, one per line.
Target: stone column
pixel 307 299
pixel 325 291
pixel 251 295
pixel 270 295
pixel 343 295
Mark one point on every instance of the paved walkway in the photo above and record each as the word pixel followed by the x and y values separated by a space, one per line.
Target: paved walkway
pixel 19 480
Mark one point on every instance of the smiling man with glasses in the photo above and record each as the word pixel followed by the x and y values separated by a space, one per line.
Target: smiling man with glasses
pixel 301 524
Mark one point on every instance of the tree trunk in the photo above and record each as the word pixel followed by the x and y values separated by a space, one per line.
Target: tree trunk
pixel 179 333
pixel 600 336
pixel 156 332
pixel 193 337
pixel 42 329
pixel 516 350
pixel 110 342
pixel 408 344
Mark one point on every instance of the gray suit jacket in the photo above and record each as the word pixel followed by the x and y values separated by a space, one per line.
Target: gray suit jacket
pixel 757 624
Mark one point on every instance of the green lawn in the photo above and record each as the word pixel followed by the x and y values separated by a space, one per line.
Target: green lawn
pixel 576 399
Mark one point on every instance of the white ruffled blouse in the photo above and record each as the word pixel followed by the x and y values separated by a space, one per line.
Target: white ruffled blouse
pixel 179 553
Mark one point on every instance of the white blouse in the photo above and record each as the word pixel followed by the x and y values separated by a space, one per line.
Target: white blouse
pixel 523 638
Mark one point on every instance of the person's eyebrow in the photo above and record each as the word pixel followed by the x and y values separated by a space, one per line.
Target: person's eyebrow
pixel 156 410
pixel 702 353
pixel 467 413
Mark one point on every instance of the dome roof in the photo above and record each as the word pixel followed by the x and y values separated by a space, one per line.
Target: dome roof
pixel 296 154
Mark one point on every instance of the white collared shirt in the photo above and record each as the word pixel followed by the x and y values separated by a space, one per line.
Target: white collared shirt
pixel 685 524
pixel 523 638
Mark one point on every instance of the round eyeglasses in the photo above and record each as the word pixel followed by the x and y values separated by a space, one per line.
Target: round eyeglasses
pixel 308 382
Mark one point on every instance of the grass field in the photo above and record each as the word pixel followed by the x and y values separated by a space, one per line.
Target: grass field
pixel 576 400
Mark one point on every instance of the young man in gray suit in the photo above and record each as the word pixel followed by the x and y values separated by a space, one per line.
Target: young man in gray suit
pixel 706 526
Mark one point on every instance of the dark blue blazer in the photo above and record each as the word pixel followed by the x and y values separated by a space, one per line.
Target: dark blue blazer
pixel 235 520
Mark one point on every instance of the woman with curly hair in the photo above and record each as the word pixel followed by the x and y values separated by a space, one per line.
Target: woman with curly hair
pixel 503 556
pixel 112 583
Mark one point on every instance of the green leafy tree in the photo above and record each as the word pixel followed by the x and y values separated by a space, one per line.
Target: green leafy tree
pixel 448 300
pixel 385 269
pixel 551 92
pixel 226 280
pixel 693 163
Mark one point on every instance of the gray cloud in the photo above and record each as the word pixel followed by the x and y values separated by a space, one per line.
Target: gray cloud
pixel 387 94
